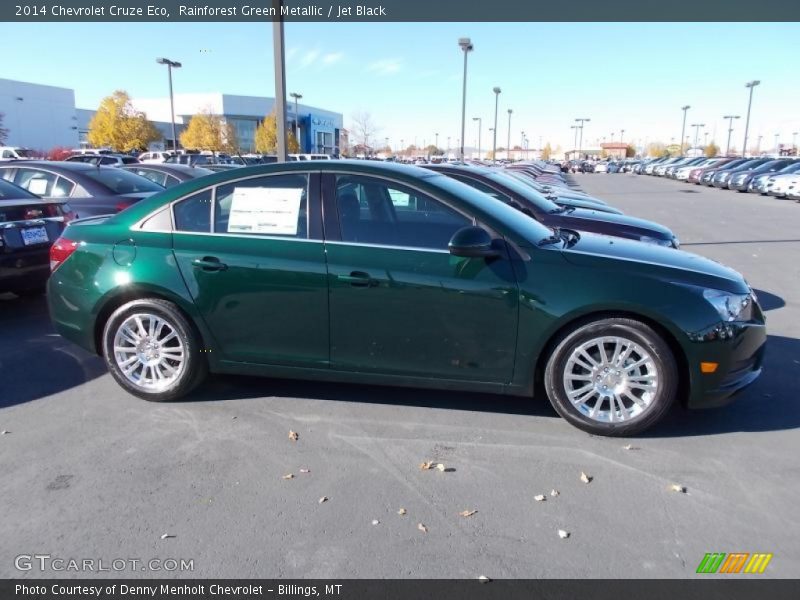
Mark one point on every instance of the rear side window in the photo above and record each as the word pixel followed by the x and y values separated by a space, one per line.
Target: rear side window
pixel 35 181
pixel 194 213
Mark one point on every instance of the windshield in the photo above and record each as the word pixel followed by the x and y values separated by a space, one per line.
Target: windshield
pixel 525 191
pixel 531 229
pixel 9 190
pixel 25 153
pixel 122 182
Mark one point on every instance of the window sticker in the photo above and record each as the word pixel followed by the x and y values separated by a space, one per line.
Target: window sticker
pixel 270 211
pixel 38 186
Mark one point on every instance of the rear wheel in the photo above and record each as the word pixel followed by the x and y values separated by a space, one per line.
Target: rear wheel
pixel 613 377
pixel 153 351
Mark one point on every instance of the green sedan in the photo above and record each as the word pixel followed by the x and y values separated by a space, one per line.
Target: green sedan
pixel 387 274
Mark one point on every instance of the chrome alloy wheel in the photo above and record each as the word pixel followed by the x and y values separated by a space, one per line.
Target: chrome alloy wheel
pixel 149 352
pixel 611 379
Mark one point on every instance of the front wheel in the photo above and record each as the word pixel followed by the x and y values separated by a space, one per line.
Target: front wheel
pixel 153 351
pixel 612 377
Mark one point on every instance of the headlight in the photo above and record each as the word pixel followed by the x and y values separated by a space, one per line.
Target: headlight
pixel 731 307
pixel 651 240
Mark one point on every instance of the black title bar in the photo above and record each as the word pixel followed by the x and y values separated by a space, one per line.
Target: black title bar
pixel 399 11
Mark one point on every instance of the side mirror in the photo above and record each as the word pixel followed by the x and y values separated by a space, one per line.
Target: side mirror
pixel 472 242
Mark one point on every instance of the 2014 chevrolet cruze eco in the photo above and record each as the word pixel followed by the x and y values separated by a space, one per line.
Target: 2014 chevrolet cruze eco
pixel 386 274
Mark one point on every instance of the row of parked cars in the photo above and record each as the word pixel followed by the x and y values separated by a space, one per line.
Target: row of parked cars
pixel 504 279
pixel 773 176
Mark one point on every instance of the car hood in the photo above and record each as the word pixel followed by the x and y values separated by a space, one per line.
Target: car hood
pixel 666 263
pixel 585 204
pixel 581 218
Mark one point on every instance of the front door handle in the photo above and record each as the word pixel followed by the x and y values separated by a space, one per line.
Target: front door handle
pixel 209 263
pixel 358 279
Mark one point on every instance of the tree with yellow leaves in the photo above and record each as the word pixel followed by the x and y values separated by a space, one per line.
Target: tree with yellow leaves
pixel 547 151
pixel 266 138
pixel 207 131
pixel 118 126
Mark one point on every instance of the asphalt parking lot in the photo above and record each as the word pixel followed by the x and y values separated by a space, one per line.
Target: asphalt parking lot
pixel 90 472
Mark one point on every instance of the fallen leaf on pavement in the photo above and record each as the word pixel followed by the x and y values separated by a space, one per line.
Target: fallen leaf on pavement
pixel 167 535
pixel 422 528
pixel 288 476
pixel 401 512
pixel 305 470
pixel 586 478
pixel 554 493
pixel 375 521
pixel 323 499
pixel 5 431
pixel 484 579
pixel 293 435
pixel 677 488
pixel 563 534
pixel 630 447
pixel 540 498
pixel 426 466
pixel 467 513
pixel 440 466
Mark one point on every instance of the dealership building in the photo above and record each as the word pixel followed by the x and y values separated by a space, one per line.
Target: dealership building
pixel 42 117
pixel 319 130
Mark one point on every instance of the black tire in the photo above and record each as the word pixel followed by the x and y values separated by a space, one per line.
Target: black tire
pixel 195 366
pixel 627 329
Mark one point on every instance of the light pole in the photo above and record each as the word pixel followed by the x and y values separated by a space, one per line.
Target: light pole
pixel 580 141
pixel 751 85
pixel 683 127
pixel 705 139
pixel 171 64
pixel 758 145
pixel 697 127
pixel 621 135
pixel 575 142
pixel 279 60
pixel 508 143
pixel 387 145
pixel 777 137
pixel 730 131
pixel 448 145
pixel 496 91
pixel 794 141
pixel 466 45
pixel 402 146
pixel 297 97
pixel 437 141
pixel 480 126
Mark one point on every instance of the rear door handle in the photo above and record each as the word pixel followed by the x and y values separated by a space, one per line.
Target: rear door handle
pixel 209 263
pixel 358 279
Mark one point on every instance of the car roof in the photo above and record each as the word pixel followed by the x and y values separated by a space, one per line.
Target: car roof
pixel 58 165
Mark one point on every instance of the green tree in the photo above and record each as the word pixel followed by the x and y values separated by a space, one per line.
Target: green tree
pixel 711 150
pixel 266 138
pixel 118 126
pixel 547 151
pixel 207 131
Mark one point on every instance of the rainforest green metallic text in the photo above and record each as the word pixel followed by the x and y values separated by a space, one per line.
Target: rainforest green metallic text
pixel 426 317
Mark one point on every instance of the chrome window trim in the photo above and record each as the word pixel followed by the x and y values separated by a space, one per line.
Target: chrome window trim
pixel 388 247
pixel 213 187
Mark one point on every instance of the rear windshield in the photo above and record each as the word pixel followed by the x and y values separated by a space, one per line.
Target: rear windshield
pixel 12 192
pixel 38 210
pixel 122 182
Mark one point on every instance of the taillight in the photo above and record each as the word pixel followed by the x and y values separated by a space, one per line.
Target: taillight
pixel 123 205
pixel 60 251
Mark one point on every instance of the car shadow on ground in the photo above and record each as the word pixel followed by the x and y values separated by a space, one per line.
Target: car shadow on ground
pixel 233 387
pixel 35 361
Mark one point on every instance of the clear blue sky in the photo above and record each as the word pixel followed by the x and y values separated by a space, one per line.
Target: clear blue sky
pixel 408 75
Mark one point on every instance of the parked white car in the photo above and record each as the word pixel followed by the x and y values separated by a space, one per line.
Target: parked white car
pixel 15 153
pixel 154 157
pixel 780 185
pixel 601 167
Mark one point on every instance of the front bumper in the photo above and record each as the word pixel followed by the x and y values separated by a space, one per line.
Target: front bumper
pixel 739 186
pixel 738 349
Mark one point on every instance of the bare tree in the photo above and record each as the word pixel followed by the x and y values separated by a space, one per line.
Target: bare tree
pixel 364 129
